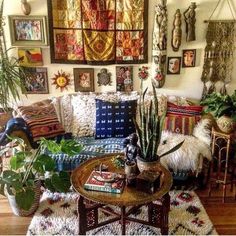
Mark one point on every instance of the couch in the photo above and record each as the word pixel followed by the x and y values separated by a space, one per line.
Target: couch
pixel 81 116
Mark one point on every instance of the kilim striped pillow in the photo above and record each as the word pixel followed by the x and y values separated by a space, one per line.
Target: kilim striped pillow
pixel 192 110
pixel 42 121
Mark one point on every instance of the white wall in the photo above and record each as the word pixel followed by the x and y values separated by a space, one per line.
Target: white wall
pixel 187 84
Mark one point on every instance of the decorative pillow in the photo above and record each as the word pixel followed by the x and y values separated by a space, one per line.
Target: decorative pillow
pixel 193 110
pixel 115 119
pixel 42 121
pixel 181 124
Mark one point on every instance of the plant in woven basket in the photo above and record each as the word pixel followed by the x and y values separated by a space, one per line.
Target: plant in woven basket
pixel 150 129
pixel 28 167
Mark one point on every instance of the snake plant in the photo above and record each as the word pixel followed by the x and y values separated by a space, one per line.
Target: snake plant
pixel 150 129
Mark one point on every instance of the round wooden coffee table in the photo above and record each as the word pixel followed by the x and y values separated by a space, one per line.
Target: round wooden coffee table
pixel 89 202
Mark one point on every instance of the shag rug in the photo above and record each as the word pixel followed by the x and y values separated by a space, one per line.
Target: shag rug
pixel 57 215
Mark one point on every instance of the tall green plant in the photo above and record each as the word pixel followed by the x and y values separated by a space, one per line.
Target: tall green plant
pixel 11 73
pixel 28 167
pixel 150 128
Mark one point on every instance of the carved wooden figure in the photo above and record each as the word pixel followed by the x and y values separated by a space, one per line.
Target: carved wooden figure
pixel 159 44
pixel 177 31
pixel 190 19
pixel 25 7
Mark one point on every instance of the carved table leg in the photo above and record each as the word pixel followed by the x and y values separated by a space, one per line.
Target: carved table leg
pixel 123 220
pixel 165 216
pixel 82 216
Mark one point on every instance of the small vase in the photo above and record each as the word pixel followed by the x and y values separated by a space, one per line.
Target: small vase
pixel 130 168
pixel 225 124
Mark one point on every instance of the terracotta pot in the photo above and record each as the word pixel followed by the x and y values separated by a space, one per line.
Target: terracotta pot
pixel 225 124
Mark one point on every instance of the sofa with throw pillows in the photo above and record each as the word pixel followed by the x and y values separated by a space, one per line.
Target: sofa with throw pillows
pixel 101 122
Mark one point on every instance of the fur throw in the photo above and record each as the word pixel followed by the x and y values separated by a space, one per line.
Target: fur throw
pixel 190 155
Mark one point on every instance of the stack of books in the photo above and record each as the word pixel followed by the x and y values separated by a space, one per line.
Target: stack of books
pixel 105 182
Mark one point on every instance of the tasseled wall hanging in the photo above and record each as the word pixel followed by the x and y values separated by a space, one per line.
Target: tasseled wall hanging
pixel 159 44
pixel 218 58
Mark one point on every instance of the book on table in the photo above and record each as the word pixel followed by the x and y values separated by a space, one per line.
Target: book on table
pixel 105 182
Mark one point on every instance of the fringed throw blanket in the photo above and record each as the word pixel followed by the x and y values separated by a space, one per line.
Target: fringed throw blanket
pixel 98 31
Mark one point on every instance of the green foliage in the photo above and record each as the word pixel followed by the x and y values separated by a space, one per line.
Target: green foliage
pixel 10 72
pixel 29 167
pixel 150 128
pixel 220 105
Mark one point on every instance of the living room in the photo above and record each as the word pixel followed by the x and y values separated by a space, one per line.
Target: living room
pixel 80 79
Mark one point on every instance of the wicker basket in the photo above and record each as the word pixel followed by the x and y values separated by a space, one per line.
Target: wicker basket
pixel 19 212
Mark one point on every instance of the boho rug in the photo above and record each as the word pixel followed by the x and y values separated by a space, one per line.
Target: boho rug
pixel 57 215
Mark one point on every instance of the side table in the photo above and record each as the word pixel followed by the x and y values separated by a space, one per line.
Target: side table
pixel 223 165
pixel 89 202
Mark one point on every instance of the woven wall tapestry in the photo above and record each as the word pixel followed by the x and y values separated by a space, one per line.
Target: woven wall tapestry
pixel 218 59
pixel 98 31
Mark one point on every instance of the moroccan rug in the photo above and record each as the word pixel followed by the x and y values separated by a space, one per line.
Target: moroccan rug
pixel 57 215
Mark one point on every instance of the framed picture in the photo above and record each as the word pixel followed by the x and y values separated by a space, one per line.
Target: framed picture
pixel 30 57
pixel 173 65
pixel 124 78
pixel 36 80
pixel 84 79
pixel 28 30
pixel 189 58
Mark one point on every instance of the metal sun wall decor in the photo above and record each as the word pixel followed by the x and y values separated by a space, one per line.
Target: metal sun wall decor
pixel 159 46
pixel 190 20
pixel 177 31
pixel 61 80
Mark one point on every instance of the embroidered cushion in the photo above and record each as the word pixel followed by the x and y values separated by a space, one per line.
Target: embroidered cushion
pixel 42 121
pixel 192 110
pixel 115 119
pixel 181 124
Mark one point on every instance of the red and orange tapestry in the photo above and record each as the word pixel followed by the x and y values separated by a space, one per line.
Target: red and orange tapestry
pixel 98 31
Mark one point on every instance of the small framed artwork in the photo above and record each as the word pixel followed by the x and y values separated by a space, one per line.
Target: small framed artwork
pixel 124 78
pixel 84 79
pixel 36 80
pixel 30 57
pixel 189 58
pixel 28 30
pixel 173 65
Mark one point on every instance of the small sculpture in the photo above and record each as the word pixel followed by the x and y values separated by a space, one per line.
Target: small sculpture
pixel 25 7
pixel 132 149
pixel 190 19
pixel 104 78
pixel 176 32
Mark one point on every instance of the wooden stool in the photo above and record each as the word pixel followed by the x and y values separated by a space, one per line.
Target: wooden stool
pixel 222 169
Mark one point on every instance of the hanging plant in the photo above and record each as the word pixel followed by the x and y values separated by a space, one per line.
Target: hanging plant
pixel 61 80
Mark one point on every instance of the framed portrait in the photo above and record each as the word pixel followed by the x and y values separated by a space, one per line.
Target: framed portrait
pixel 189 58
pixel 124 78
pixel 173 65
pixel 30 57
pixel 35 80
pixel 28 30
pixel 84 79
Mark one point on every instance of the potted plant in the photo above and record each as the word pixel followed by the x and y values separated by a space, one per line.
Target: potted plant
pixel 223 108
pixel 29 169
pixel 10 76
pixel 149 132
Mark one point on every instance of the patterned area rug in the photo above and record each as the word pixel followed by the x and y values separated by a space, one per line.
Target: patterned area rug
pixel 57 215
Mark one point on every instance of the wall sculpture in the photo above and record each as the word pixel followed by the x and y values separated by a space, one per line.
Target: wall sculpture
pixel 159 44
pixel 176 32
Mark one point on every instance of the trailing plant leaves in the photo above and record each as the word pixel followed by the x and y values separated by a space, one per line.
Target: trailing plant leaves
pixel 44 163
pixel 61 181
pixel 25 199
pixel 17 161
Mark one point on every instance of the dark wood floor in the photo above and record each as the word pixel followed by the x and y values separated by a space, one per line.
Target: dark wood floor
pixel 222 215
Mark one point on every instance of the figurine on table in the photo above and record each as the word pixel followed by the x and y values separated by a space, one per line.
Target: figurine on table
pixel 132 149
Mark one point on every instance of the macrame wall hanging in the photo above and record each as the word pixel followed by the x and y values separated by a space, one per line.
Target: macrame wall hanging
pixel 159 44
pixel 218 58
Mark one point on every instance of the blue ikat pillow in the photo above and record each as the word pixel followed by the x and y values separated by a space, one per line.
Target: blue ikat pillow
pixel 115 119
